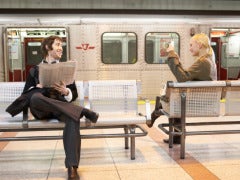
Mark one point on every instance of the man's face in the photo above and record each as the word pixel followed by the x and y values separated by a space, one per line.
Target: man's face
pixel 56 52
pixel 194 47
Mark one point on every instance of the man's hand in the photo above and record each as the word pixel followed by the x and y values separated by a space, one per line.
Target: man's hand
pixel 61 88
pixel 39 86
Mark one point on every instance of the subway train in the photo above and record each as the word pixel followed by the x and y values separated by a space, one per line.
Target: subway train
pixel 117 46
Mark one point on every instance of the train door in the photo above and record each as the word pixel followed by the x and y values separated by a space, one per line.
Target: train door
pixel 226 45
pixel 33 53
pixel 23 50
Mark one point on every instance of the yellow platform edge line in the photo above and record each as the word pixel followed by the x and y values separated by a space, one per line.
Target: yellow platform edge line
pixel 141 102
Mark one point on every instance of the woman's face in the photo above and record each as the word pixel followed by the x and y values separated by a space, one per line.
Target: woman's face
pixel 194 47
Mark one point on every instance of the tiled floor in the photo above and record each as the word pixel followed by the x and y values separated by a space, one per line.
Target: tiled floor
pixel 207 157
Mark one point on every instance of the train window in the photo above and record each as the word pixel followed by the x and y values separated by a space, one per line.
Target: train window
pixel 119 48
pixel 156 44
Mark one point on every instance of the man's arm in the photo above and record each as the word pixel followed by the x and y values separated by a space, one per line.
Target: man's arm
pixel 32 79
pixel 73 89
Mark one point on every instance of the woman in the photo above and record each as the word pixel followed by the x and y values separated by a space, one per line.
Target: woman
pixel 203 69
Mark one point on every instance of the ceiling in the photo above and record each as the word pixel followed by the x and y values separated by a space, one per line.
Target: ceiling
pixel 68 19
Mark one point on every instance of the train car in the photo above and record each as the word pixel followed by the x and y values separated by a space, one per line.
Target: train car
pixel 113 47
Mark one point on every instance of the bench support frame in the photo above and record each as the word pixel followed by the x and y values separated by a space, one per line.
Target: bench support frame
pixel 168 128
pixel 129 133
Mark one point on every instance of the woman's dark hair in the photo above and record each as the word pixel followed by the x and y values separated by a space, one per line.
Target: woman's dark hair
pixel 47 44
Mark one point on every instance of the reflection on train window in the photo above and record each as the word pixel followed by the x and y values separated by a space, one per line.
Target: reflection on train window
pixel 119 48
pixel 156 44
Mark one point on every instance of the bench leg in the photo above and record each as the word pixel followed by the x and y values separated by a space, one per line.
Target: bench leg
pixel 171 130
pixel 25 118
pixel 132 131
pixel 182 154
pixel 183 123
pixel 183 138
pixel 126 138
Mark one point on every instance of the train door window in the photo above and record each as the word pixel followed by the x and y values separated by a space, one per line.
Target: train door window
pixel 119 48
pixel 156 44
pixel 23 47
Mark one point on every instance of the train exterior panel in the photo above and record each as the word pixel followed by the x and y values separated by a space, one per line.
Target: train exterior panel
pixel 85 45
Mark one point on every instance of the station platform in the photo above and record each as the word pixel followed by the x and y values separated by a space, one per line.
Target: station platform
pixel 208 157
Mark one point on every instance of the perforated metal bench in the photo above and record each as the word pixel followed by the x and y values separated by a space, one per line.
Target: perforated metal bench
pixel 199 99
pixel 116 102
pixel 9 91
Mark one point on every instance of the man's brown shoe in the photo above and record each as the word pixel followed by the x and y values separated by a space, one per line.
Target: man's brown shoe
pixel 73 174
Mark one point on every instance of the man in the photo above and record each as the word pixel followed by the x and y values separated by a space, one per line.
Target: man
pixel 54 102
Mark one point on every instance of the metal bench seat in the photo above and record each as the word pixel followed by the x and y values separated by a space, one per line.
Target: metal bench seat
pixel 115 101
pixel 200 99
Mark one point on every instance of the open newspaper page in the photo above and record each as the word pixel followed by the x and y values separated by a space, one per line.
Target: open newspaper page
pixel 54 73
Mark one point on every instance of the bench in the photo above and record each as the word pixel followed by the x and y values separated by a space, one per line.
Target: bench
pixel 199 99
pixel 115 101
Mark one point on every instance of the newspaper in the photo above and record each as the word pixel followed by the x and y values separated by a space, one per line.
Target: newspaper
pixel 54 73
